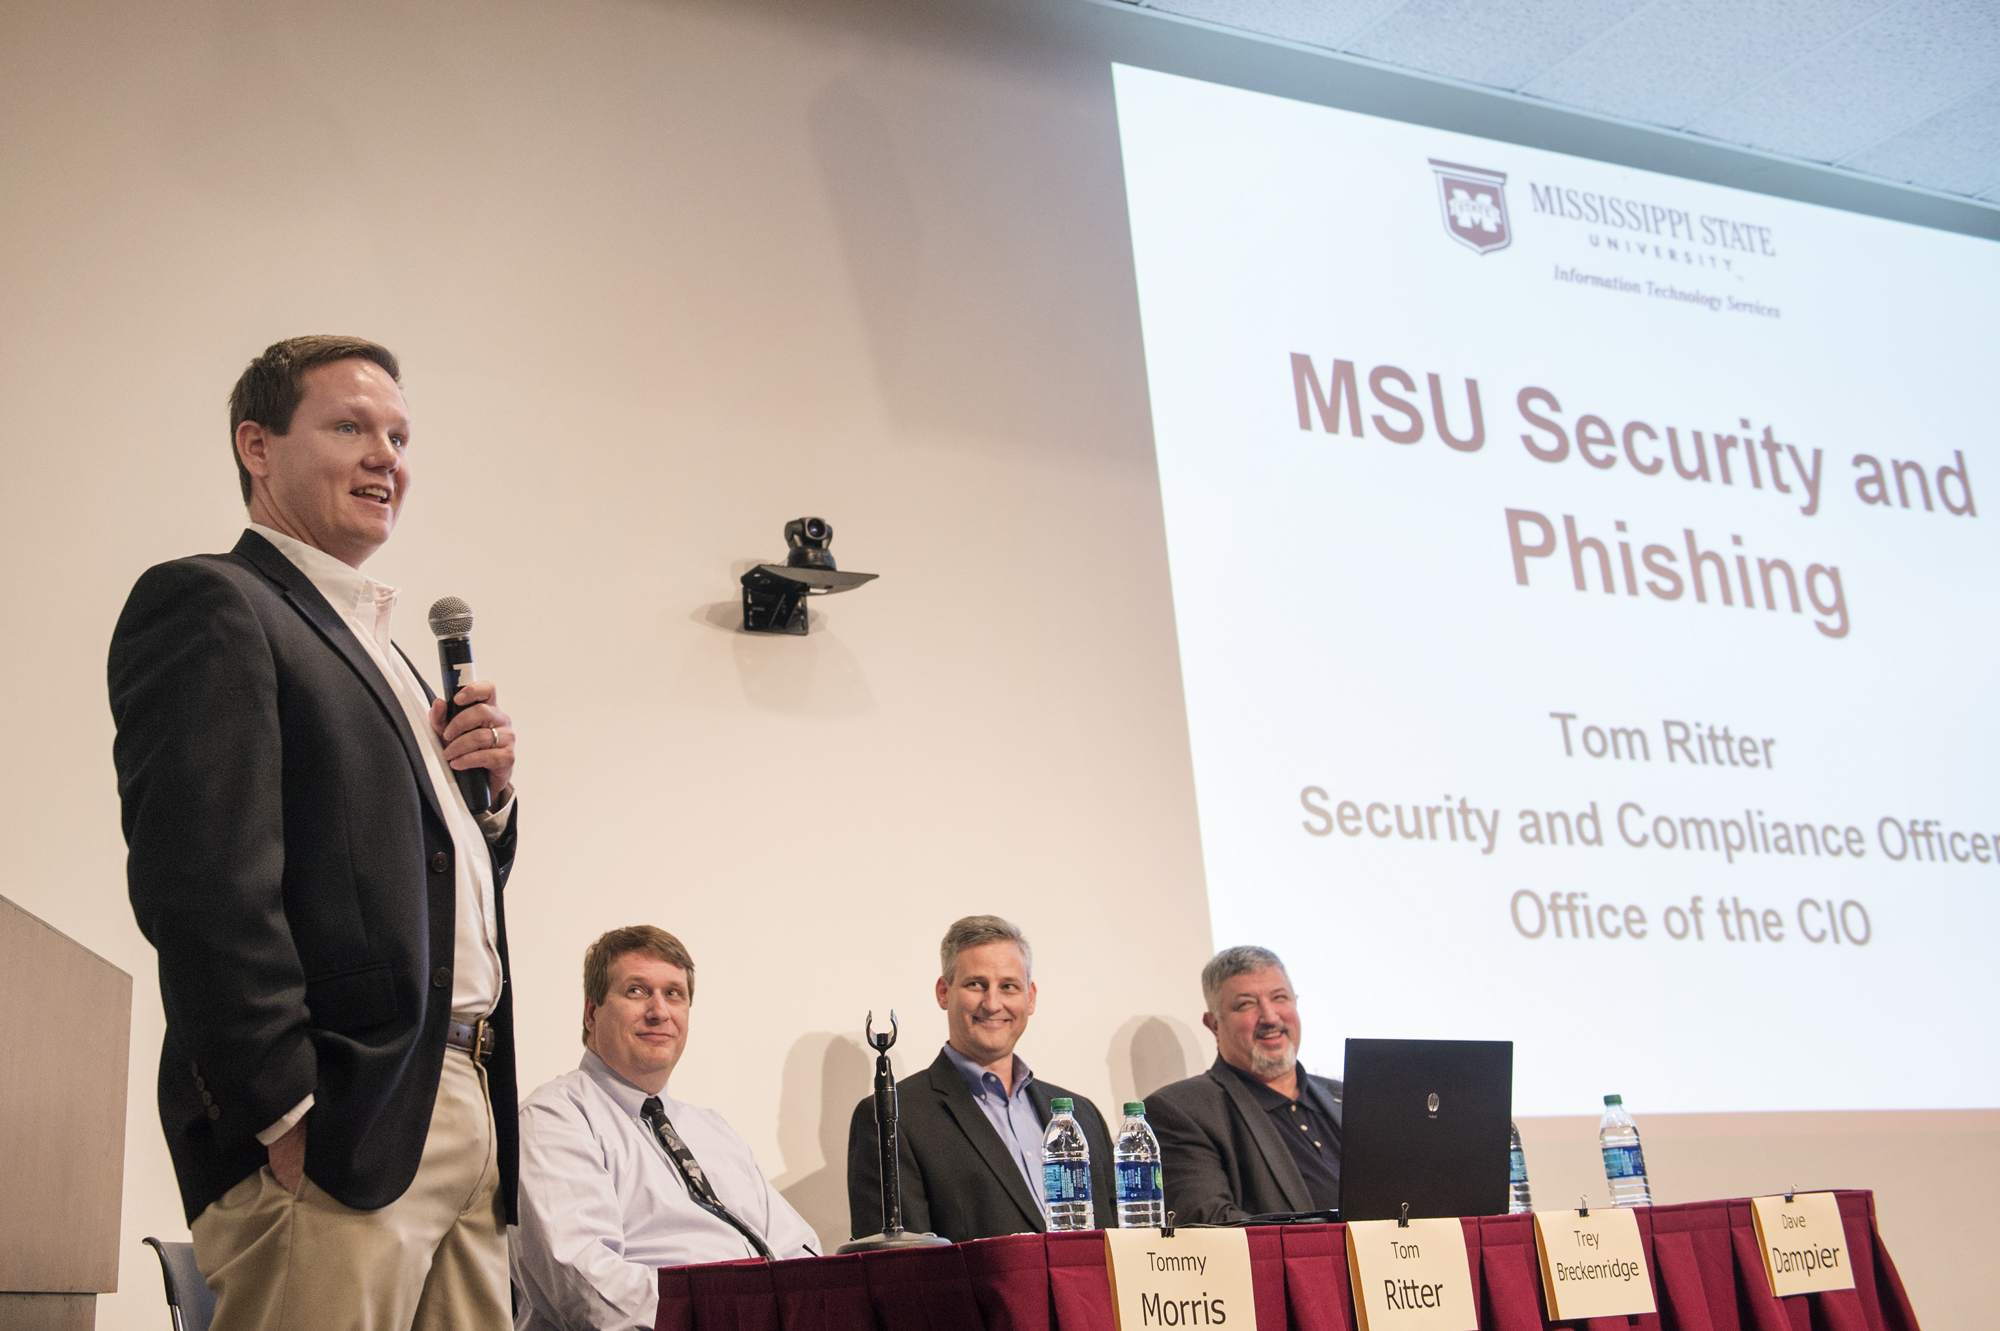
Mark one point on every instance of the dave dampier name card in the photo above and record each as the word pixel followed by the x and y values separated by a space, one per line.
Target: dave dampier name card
pixel 1411 1277
pixel 1804 1243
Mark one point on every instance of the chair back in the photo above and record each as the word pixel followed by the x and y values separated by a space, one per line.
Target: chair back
pixel 189 1299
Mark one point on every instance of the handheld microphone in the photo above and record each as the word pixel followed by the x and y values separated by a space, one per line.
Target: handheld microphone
pixel 451 621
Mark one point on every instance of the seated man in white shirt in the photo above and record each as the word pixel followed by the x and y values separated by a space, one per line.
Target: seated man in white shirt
pixel 619 1179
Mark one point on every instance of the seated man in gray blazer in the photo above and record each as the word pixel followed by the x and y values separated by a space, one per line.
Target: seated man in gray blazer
pixel 1256 1133
pixel 970 1140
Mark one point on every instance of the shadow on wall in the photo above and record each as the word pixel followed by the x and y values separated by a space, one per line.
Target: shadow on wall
pixel 825 1076
pixel 1146 1054
pixel 953 287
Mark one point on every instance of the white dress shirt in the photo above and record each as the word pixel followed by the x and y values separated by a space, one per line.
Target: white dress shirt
pixel 366 605
pixel 603 1208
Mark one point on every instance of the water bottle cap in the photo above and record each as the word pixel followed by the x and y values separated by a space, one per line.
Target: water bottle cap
pixel 1062 1104
pixel 1614 1099
pixel 1135 1107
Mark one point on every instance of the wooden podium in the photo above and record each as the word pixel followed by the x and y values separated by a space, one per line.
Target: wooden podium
pixel 65 1039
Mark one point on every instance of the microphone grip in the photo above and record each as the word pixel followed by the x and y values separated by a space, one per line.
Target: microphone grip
pixel 455 664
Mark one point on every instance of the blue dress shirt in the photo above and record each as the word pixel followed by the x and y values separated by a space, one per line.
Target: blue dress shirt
pixel 1012 1116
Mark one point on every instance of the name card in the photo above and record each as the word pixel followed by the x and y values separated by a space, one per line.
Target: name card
pixel 1803 1242
pixel 1411 1279
pixel 1199 1277
pixel 1594 1265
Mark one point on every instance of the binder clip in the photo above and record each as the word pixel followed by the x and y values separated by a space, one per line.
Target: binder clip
pixel 1403 1221
pixel 1167 1230
pixel 1582 1206
pixel 1789 1192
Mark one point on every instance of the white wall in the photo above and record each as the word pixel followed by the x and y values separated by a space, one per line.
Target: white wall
pixel 663 276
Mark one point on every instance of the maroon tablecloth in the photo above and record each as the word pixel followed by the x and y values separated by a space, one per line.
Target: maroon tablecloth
pixel 1705 1270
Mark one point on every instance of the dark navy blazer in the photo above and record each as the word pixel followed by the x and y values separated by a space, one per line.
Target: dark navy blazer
pixel 288 859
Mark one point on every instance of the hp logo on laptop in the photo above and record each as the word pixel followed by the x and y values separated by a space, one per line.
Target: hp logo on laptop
pixel 1432 1105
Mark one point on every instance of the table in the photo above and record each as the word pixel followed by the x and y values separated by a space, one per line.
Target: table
pixel 1704 1261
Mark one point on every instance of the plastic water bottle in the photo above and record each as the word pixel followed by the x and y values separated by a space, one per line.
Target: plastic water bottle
pixel 1142 1199
pixel 1066 1169
pixel 1624 1163
pixel 1518 1200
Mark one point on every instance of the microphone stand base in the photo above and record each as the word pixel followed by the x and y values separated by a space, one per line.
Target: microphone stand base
pixel 900 1238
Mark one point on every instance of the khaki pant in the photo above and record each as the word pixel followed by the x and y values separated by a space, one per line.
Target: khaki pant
pixel 436 1257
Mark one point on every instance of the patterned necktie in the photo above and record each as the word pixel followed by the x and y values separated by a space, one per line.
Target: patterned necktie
pixel 699 1189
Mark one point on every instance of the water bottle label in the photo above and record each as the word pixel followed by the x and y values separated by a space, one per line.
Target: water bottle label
pixel 1139 1181
pixel 1066 1181
pixel 1623 1162
pixel 1517 1166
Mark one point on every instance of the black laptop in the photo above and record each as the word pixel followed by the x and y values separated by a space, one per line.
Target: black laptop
pixel 1425 1122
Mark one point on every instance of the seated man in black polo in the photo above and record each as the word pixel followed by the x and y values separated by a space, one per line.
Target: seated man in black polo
pixel 970 1140
pixel 1255 1134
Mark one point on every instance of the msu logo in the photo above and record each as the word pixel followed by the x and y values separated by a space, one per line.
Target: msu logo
pixel 1475 205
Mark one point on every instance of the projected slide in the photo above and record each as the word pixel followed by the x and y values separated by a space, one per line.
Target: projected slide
pixel 1586 604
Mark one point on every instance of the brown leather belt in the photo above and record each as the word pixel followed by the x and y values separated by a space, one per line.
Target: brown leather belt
pixel 474 1037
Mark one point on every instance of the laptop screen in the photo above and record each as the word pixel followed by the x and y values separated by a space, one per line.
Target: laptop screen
pixel 1425 1122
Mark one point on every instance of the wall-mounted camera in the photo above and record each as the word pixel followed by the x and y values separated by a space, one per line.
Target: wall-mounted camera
pixel 774 595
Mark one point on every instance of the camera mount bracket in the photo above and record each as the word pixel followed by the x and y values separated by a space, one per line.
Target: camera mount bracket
pixel 774 595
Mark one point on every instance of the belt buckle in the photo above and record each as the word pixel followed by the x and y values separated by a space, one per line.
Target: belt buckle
pixel 482 1041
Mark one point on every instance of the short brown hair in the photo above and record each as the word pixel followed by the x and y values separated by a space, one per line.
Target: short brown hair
pixel 597 958
pixel 978 931
pixel 273 385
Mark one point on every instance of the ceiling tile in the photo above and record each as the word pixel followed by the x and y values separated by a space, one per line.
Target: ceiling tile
pixel 1907 63
pixel 1329 23
pixel 1500 45
pixel 1957 150
pixel 1674 59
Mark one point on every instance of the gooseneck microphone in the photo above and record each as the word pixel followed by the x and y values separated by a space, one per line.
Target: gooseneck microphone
pixel 451 621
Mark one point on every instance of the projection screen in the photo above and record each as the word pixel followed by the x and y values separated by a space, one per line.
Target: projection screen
pixel 1585 609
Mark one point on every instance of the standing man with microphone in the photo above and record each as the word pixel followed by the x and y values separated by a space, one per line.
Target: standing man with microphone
pixel 337 1079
